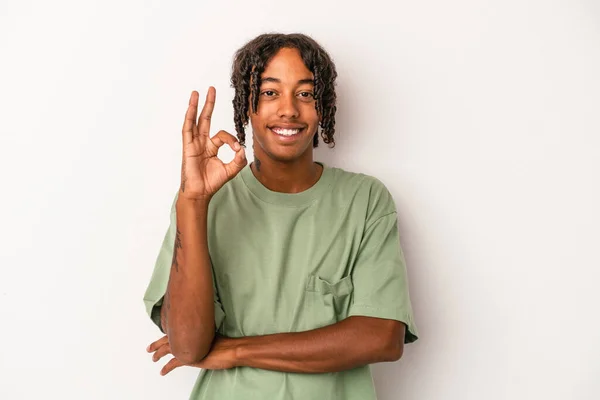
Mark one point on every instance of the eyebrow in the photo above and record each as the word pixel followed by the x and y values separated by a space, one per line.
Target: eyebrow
pixel 275 80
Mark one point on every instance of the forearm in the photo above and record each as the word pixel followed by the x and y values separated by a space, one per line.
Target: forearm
pixel 188 308
pixel 353 342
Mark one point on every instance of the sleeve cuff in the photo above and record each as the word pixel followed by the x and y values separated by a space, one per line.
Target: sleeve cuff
pixel 398 314
pixel 153 311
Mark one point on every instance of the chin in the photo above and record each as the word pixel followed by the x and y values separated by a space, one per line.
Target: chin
pixel 285 152
pixel 284 156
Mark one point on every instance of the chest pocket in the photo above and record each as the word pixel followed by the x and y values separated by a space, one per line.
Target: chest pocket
pixel 327 303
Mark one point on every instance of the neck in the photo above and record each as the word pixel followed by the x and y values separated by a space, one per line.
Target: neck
pixel 286 176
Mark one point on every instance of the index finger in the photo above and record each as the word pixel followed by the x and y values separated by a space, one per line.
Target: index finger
pixel 189 124
pixel 207 110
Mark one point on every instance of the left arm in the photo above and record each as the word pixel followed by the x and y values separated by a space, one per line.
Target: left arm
pixel 351 343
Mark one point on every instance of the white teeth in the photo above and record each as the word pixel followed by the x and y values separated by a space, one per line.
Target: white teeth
pixel 285 132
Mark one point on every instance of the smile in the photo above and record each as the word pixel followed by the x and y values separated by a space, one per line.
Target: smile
pixel 286 131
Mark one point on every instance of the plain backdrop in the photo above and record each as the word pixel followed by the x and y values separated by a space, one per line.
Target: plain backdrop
pixel 481 117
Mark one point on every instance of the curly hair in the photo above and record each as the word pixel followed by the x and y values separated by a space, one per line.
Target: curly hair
pixel 250 62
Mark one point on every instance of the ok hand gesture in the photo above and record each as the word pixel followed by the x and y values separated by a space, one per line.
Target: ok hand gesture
pixel 202 172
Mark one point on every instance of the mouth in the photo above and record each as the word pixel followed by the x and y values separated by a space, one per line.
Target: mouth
pixel 287 132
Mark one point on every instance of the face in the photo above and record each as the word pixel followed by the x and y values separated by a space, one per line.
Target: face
pixel 287 119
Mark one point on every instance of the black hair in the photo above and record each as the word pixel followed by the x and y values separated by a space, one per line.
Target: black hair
pixel 250 62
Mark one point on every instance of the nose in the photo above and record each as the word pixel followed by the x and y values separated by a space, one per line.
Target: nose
pixel 287 107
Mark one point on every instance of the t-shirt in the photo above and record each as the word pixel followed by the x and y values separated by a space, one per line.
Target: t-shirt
pixel 285 262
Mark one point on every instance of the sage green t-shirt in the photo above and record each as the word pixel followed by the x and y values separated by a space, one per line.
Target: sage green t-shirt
pixel 295 262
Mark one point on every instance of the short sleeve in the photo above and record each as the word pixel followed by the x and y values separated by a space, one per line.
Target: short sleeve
pixel 379 276
pixel 153 298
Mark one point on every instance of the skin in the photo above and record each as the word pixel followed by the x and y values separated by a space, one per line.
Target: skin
pixel 351 343
pixel 188 313
pixel 286 98
pixel 283 166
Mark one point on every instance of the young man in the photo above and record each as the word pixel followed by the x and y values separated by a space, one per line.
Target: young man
pixel 283 279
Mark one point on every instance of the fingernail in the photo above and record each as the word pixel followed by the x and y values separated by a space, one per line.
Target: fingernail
pixel 148 348
pixel 236 146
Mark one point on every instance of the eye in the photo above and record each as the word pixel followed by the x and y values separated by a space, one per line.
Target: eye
pixel 306 95
pixel 268 93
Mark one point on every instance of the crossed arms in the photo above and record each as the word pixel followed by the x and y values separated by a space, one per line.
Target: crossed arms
pixel 187 317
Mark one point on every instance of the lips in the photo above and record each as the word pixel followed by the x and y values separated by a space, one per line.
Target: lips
pixel 287 130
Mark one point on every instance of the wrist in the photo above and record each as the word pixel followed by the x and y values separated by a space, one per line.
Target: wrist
pixel 195 203
pixel 240 352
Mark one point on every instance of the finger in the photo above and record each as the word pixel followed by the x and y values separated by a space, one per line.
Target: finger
pixel 239 161
pixel 170 366
pixel 237 164
pixel 156 345
pixel 189 124
pixel 161 352
pixel 207 110
pixel 223 137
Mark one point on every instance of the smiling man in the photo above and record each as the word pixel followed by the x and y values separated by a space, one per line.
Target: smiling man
pixel 282 279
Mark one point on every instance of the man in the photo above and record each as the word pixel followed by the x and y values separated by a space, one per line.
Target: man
pixel 282 279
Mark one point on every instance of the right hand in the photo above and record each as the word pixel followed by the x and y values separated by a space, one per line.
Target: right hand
pixel 202 172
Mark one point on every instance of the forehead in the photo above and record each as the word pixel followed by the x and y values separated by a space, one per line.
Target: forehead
pixel 287 65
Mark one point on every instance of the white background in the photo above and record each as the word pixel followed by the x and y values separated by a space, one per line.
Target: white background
pixel 481 117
